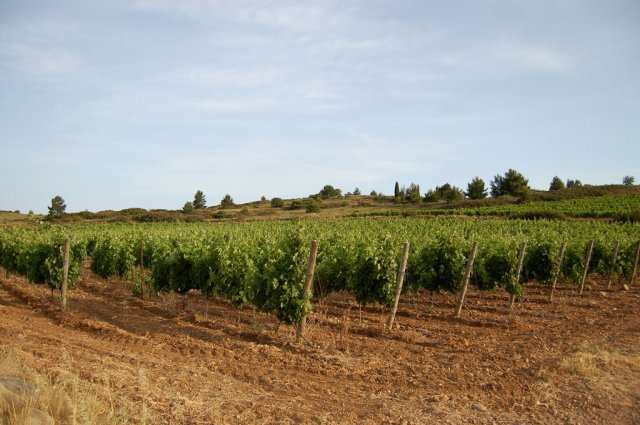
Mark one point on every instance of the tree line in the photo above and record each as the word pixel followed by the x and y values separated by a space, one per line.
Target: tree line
pixel 511 183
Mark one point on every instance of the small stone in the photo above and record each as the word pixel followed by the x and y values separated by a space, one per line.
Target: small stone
pixel 625 287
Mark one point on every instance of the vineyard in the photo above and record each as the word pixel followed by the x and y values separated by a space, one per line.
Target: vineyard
pixel 263 264
pixel 610 206
pixel 182 323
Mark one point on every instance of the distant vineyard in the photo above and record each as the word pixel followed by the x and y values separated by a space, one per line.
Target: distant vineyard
pixel 613 206
pixel 263 263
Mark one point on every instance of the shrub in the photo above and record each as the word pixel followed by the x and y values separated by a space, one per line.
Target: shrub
pixel 187 208
pixel 296 205
pixel 277 203
pixel 312 206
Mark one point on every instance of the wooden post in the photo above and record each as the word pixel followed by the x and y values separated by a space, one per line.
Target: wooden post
pixel 65 273
pixel 523 250
pixel 399 281
pixel 635 265
pixel 307 291
pixel 556 275
pixel 142 268
pixel 616 250
pixel 467 276
pixel 587 261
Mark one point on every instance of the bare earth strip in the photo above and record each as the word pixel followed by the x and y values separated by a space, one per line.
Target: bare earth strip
pixel 185 359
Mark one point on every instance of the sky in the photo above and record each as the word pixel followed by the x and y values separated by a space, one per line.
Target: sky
pixel 117 104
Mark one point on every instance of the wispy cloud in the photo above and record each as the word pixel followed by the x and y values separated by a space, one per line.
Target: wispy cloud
pixel 534 58
pixel 232 78
pixel 232 105
pixel 38 60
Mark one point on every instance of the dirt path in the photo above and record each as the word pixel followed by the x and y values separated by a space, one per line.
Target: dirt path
pixel 178 359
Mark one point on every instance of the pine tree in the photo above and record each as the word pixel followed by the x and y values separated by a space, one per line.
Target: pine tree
pixel 227 201
pixel 199 200
pixel 396 191
pixel 573 183
pixel 512 183
pixel 476 189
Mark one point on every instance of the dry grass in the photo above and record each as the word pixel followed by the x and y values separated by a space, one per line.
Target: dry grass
pixel 62 395
pixel 594 361
pixel 607 371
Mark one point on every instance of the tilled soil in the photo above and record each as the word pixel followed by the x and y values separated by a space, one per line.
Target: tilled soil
pixel 186 359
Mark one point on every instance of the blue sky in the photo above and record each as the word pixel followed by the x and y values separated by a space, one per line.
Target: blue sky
pixel 139 103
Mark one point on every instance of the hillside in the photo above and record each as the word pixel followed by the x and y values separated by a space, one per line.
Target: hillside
pixel 616 202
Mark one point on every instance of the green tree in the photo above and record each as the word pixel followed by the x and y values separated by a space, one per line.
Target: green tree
pixel 628 180
pixel 356 192
pixel 329 191
pixel 512 183
pixel 446 192
pixel 412 194
pixel 188 207
pixel 57 208
pixel 227 201
pixel 476 189
pixel 373 193
pixel 396 191
pixel 556 184
pixel 573 183
pixel 199 200
pixel 277 203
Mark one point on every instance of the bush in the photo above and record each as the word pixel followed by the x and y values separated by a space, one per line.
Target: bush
pixel 628 217
pixel 277 203
pixel 187 208
pixel 296 205
pixel 312 206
